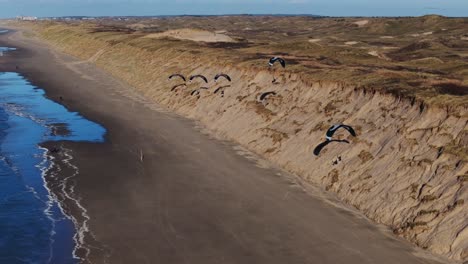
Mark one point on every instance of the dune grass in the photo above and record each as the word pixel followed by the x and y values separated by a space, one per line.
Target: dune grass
pixel 418 57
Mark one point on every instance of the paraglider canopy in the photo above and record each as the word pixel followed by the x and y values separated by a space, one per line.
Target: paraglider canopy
pixel 221 88
pixel 277 59
pixel 322 145
pixel 331 131
pixel 199 76
pixel 177 75
pixel 222 75
pixel 197 91
pixel 264 95
pixel 177 86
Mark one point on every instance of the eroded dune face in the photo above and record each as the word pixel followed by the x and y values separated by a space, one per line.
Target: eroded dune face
pixel 398 171
pixel 194 35
pixel 404 169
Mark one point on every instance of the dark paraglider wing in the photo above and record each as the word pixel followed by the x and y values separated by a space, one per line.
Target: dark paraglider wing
pixel 217 90
pixel 177 75
pixel 198 76
pixel 331 131
pixel 275 59
pixel 176 86
pixel 350 129
pixel 264 95
pixel 221 88
pixel 282 62
pixel 320 146
pixel 222 75
pixel 272 61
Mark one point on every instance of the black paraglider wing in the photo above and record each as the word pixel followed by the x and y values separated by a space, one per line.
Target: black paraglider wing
pixel 283 63
pixel 264 95
pixel 221 88
pixel 222 75
pixel 351 130
pixel 275 59
pixel 320 146
pixel 331 131
pixel 272 61
pixel 227 77
pixel 198 76
pixel 176 86
pixel 178 75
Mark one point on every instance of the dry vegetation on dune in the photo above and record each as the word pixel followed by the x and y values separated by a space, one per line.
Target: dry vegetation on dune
pixel 425 58
pixel 401 82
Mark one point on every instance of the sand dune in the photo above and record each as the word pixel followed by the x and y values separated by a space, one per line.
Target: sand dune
pixel 351 43
pixel 160 191
pixel 406 171
pixel 362 22
pixel 194 35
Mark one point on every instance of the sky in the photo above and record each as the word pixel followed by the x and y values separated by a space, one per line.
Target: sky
pixel 47 8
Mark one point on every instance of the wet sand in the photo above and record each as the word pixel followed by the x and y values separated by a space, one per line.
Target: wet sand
pixel 161 191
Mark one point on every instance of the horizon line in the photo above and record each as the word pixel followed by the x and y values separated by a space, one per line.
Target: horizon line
pixel 233 14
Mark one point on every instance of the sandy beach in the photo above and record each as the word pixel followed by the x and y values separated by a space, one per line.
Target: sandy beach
pixel 162 190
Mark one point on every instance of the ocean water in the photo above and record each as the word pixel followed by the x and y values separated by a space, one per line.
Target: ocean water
pixel 4 50
pixel 33 226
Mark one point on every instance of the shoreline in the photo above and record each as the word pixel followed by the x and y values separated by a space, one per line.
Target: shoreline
pixel 46 177
pixel 33 119
pixel 28 123
pixel 146 197
pixel 61 163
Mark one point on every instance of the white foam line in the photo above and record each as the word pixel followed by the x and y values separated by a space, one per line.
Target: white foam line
pixel 46 166
pixel 68 190
pixel 52 199
pixel 82 229
pixel 21 111
pixel 49 202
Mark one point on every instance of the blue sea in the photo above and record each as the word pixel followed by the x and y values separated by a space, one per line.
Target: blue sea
pixel 34 228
